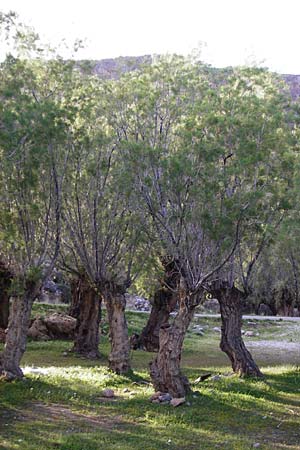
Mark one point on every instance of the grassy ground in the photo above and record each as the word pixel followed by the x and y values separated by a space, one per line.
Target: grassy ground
pixel 59 405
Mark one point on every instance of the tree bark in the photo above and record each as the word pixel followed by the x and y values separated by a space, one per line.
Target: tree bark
pixel 86 308
pixel 164 302
pixel 5 280
pixel 165 369
pixel 231 340
pixel 16 337
pixel 119 358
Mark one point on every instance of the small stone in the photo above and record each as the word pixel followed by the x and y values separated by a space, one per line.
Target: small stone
pixel 256 334
pixel 65 354
pixel 155 396
pixel 177 401
pixel 108 393
pixel 249 333
pixel 256 445
pixel 155 400
pixel 199 333
pixel 216 378
pixel 217 329
pixel 165 397
pixel 125 390
pixel 202 378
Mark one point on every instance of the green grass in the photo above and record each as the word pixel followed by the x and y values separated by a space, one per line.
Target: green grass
pixel 62 408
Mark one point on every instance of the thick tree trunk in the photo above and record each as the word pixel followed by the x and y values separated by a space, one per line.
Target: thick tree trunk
pixel 5 280
pixel 16 337
pixel 165 369
pixel 231 341
pixel 86 308
pixel 119 358
pixel 4 309
pixel 164 302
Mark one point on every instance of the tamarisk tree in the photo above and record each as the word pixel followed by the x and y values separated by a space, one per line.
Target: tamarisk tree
pixel 101 232
pixel 34 132
pixel 196 149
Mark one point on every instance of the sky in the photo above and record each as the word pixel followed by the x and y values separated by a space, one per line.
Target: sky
pixel 228 32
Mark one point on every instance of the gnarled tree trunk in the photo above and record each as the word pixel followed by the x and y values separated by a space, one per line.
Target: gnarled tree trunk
pixel 5 280
pixel 231 340
pixel 16 337
pixel 86 308
pixel 115 301
pixel 165 369
pixel 164 302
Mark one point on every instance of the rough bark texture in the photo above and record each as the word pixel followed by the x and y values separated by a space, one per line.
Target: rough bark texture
pixel 231 341
pixel 119 358
pixel 164 302
pixel 16 337
pixel 5 280
pixel 165 369
pixel 86 308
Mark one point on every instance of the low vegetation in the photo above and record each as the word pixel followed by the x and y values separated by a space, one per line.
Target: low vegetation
pixel 59 404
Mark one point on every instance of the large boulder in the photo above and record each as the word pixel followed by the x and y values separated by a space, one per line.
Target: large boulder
pixel 55 326
pixel 38 330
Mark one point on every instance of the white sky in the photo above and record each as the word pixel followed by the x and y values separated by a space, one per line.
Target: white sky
pixel 235 31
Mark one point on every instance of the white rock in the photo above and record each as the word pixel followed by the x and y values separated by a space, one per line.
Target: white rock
pixel 177 401
pixel 108 393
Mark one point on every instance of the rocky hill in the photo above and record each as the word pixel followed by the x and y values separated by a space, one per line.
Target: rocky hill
pixel 113 67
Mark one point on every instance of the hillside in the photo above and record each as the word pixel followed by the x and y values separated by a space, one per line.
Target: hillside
pixel 113 67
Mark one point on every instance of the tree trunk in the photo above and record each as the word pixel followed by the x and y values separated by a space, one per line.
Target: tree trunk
pixel 164 302
pixel 119 358
pixel 165 369
pixel 5 280
pixel 86 308
pixel 4 309
pixel 231 341
pixel 16 337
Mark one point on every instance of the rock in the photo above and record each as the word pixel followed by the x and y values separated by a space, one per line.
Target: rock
pixel 60 326
pixel 212 305
pixel 199 333
pixel 38 330
pixel 216 378
pixel 155 396
pixel 125 390
pixel 55 326
pixel 252 324
pixel 249 333
pixel 165 397
pixel 108 393
pixel 202 378
pixel 256 445
pixel 217 329
pixel 177 401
